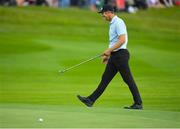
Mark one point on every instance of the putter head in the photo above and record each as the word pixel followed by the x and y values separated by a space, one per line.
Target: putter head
pixel 62 71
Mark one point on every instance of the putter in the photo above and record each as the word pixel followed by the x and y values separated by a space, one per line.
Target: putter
pixel 74 66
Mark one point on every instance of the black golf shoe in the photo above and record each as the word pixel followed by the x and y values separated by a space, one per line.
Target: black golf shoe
pixel 135 106
pixel 85 100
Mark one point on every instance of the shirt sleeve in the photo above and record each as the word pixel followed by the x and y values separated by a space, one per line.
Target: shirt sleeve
pixel 121 28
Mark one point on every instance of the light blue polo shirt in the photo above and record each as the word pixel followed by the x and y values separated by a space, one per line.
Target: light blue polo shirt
pixel 117 28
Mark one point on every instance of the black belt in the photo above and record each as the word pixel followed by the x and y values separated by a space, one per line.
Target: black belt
pixel 118 51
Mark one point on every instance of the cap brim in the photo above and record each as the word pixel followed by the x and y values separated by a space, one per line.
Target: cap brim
pixel 100 11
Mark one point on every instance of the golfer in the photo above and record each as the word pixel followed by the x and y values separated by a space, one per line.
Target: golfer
pixel 116 58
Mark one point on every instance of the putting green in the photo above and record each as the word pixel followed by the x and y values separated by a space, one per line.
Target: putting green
pixel 76 116
pixel 37 42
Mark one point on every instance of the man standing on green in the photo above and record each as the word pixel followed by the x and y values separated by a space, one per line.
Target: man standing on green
pixel 116 58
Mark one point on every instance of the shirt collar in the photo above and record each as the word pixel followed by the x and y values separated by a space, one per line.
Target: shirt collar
pixel 113 19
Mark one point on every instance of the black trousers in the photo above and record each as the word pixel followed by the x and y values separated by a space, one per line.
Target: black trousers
pixel 118 62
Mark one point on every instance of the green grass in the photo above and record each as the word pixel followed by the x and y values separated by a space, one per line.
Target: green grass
pixel 36 42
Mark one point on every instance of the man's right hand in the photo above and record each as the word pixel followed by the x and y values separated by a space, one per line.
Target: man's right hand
pixel 105 59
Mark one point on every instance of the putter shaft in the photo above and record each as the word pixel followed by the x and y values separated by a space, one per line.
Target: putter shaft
pixel 74 66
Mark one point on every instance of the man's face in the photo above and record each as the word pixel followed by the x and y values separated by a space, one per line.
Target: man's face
pixel 106 15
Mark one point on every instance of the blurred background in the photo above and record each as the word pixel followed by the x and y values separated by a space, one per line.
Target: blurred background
pixel 130 6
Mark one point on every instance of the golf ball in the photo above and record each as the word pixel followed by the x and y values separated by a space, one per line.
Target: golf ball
pixel 40 119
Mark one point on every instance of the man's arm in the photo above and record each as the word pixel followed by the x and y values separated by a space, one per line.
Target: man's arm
pixel 107 52
pixel 120 42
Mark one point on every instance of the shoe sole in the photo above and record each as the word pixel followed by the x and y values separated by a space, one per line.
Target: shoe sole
pixel 133 108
